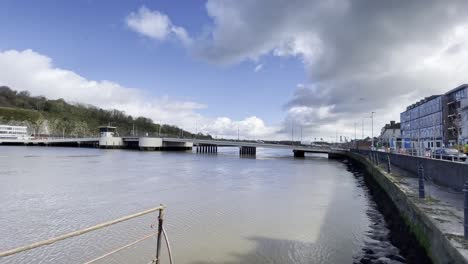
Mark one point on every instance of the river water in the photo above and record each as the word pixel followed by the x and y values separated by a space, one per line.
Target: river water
pixel 220 208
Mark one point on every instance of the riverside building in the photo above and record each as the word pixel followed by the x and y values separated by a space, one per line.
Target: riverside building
pixel 423 123
pixel 456 128
pixel 437 121
pixel 14 132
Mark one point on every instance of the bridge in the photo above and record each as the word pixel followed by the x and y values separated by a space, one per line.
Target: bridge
pixel 156 143
pixel 247 148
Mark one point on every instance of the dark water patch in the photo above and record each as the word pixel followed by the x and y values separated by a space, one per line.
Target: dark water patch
pixel 389 239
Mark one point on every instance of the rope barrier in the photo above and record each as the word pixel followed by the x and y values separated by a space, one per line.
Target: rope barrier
pixel 77 233
pixel 169 251
pixel 120 248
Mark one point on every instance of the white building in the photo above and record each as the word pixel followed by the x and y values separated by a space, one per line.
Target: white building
pixel 14 132
pixel 390 133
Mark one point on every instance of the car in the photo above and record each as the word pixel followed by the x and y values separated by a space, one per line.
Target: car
pixel 449 154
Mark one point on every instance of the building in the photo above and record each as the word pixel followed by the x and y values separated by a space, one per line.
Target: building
pixel 456 127
pixel 423 123
pixel 438 120
pixel 14 132
pixel 390 134
pixel 362 144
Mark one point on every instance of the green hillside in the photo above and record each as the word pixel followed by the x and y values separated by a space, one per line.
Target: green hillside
pixel 57 117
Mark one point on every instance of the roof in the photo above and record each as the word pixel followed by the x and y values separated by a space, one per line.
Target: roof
pixel 423 101
pixel 456 89
pixel 392 125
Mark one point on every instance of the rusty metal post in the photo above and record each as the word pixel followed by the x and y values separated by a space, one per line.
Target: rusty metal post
pixel 389 166
pixel 422 193
pixel 465 220
pixel 160 230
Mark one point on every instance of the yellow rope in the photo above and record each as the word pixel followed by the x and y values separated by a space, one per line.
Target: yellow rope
pixel 76 233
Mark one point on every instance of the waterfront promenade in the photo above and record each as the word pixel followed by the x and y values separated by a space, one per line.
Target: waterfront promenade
pixel 437 220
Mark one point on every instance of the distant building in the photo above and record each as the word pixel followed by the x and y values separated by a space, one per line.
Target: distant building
pixel 423 123
pixel 363 144
pixel 14 132
pixel 390 134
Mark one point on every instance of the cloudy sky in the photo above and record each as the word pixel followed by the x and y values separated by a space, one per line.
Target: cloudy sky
pixel 264 66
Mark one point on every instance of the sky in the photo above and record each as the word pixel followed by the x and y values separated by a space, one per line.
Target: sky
pixel 269 69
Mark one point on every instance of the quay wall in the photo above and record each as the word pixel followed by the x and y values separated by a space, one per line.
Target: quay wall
pixel 429 236
pixel 443 172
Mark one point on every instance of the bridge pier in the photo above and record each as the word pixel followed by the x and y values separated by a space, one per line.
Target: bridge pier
pixel 207 149
pixel 247 151
pixel 299 153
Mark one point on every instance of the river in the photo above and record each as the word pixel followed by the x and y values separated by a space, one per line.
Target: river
pixel 220 208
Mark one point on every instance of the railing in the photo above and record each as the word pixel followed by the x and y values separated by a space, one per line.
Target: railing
pixel 161 232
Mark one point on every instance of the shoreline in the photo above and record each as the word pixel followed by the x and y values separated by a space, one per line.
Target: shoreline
pixel 419 215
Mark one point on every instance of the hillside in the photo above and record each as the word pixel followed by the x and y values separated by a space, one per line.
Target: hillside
pixel 57 117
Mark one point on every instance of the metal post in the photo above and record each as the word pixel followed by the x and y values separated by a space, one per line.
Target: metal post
pixel 372 129
pixel 422 194
pixel 376 158
pixel 465 221
pixel 389 167
pixel 160 230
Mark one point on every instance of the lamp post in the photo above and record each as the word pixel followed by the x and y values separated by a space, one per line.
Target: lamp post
pixel 292 132
pixel 355 139
pixel 301 134
pixel 372 133
pixel 362 135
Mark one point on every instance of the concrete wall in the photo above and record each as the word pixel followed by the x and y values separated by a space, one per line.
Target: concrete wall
pixel 149 143
pixel 110 142
pixel 438 247
pixel 442 172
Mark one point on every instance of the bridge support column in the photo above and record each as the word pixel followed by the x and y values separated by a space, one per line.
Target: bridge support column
pixel 207 149
pixel 247 151
pixel 299 154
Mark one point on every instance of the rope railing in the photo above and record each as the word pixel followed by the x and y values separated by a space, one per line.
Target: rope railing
pixel 120 249
pixel 89 229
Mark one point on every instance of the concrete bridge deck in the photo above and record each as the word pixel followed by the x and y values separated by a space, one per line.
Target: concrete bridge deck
pixel 153 143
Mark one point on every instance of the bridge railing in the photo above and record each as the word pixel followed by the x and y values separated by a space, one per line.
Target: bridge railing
pixel 159 234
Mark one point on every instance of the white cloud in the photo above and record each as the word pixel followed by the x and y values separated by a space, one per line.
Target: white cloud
pixel 361 56
pixel 258 68
pixel 249 128
pixel 34 72
pixel 155 25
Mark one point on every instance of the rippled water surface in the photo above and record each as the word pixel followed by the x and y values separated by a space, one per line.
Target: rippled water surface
pixel 220 208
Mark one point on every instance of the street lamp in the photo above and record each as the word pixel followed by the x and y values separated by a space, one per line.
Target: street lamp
pixel 355 138
pixel 362 135
pixel 372 117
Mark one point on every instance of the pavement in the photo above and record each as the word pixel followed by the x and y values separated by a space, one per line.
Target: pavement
pixel 444 206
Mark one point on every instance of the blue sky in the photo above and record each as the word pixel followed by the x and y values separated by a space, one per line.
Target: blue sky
pixel 92 39
pixel 322 65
